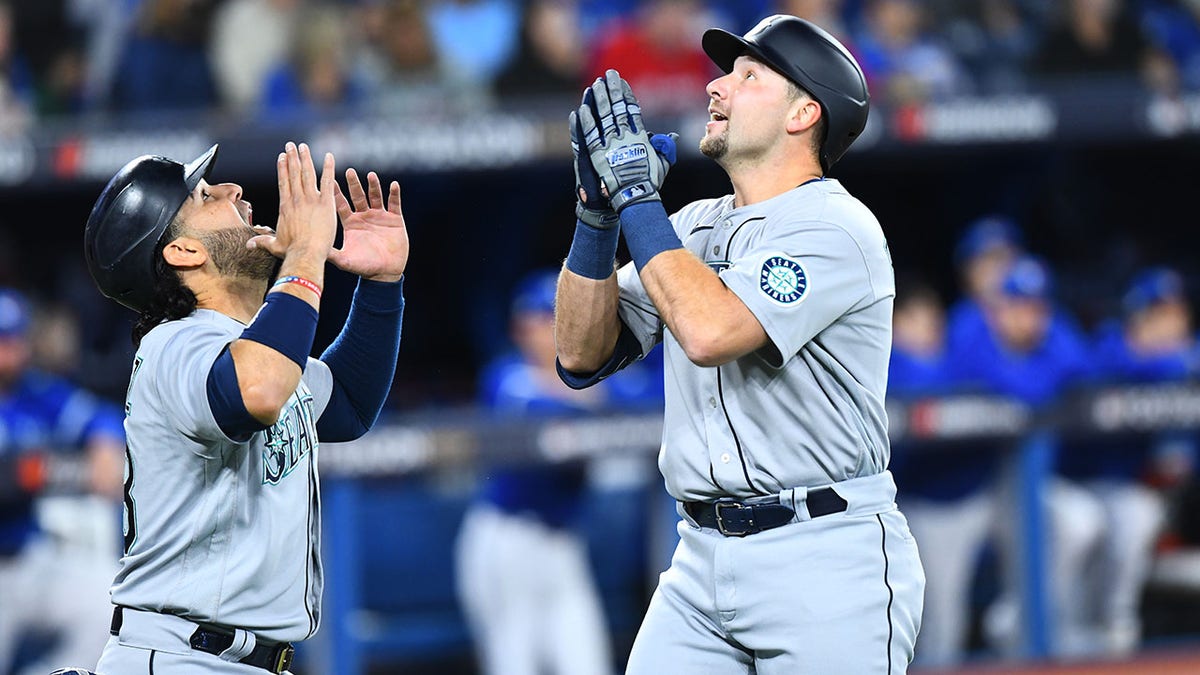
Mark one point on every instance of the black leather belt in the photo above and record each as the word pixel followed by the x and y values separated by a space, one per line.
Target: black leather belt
pixel 738 519
pixel 273 657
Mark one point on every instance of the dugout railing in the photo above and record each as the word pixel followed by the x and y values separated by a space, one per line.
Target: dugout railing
pixel 358 476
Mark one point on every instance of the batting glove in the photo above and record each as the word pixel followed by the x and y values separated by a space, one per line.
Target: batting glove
pixel 630 164
pixel 591 207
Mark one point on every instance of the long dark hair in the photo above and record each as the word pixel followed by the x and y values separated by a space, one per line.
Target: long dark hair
pixel 172 300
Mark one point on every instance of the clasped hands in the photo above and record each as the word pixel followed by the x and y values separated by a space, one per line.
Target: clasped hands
pixel 617 161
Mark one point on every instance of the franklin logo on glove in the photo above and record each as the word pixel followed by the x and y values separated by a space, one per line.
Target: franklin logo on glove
pixel 626 154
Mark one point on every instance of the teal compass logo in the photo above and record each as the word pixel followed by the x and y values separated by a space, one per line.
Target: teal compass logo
pixel 783 280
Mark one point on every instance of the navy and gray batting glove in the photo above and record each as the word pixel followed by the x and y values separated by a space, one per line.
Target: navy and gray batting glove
pixel 591 207
pixel 629 163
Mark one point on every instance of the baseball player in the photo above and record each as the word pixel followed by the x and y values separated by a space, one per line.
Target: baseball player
pixel 982 255
pixel 1033 351
pixel 774 306
pixel 1152 343
pixel 220 572
pixel 524 579
pixel 52 578
pixel 945 489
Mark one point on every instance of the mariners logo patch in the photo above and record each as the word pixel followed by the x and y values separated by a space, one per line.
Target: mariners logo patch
pixel 783 280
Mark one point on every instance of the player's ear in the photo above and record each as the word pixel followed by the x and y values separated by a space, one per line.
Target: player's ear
pixel 185 252
pixel 803 114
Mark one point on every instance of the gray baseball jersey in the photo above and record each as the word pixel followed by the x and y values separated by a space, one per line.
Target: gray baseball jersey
pixel 813 267
pixel 216 529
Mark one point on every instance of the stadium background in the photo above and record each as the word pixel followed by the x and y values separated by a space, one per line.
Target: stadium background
pixel 1094 160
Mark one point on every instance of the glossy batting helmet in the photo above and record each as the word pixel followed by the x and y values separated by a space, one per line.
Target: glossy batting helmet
pixel 814 60
pixel 129 218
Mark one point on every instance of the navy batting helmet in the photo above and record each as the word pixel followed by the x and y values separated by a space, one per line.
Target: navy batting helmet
pixel 813 59
pixel 130 217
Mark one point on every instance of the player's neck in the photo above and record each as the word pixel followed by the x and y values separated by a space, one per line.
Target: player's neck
pixel 235 297
pixel 764 179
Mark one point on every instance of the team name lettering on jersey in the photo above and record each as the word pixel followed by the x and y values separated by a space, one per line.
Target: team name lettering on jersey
pixel 290 439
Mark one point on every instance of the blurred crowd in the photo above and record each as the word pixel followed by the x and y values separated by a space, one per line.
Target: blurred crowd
pixel 279 61
pixel 1108 501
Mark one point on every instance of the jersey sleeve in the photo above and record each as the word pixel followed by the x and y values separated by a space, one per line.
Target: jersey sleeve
pixel 798 283
pixel 319 380
pixel 178 376
pixel 636 310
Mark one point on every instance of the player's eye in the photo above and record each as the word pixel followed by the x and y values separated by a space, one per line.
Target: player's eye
pixel 204 194
pixel 750 75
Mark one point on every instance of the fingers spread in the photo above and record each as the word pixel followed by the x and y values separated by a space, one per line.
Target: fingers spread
pixel 394 198
pixel 374 190
pixel 327 179
pixel 357 197
pixel 343 207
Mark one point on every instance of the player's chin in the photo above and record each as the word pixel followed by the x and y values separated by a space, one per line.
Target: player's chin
pixel 714 147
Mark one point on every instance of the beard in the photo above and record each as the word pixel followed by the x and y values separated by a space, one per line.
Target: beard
pixel 231 257
pixel 715 147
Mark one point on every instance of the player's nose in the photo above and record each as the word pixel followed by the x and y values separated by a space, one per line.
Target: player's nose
pixel 230 191
pixel 716 88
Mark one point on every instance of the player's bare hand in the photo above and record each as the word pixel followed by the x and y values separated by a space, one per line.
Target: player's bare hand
pixel 374 236
pixel 307 217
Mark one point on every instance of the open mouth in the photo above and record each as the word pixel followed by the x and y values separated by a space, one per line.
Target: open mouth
pixel 714 116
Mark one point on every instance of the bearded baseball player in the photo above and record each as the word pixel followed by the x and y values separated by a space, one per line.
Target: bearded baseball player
pixel 774 306
pixel 220 572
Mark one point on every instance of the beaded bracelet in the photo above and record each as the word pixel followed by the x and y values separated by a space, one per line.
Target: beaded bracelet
pixel 312 286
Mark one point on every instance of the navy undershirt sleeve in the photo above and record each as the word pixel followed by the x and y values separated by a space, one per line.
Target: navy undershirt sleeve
pixel 363 360
pixel 626 351
pixel 225 400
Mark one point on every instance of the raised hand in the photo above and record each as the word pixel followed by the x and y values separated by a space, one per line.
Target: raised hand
pixel 374 238
pixel 307 219
pixel 592 206
pixel 631 165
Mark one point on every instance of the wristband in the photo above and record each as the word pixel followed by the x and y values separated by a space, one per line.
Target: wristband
pixel 286 324
pixel 293 279
pixel 593 251
pixel 648 231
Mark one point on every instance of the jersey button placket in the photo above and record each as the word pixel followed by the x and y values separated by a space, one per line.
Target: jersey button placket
pixel 720 441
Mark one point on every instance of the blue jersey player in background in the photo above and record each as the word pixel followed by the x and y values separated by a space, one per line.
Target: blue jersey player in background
pixel 54 571
pixel 1152 342
pixel 524 579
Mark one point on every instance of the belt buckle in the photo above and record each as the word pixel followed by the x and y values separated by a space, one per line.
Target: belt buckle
pixel 741 518
pixel 283 658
